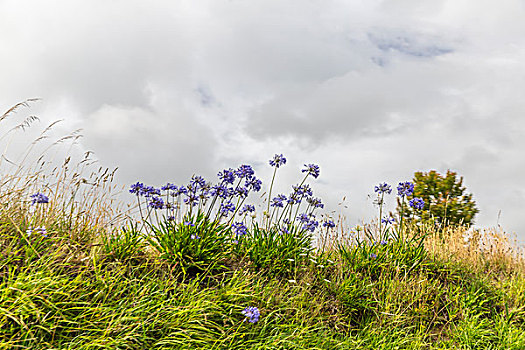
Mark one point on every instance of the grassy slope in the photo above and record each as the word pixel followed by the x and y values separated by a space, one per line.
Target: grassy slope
pixel 75 290
pixel 73 298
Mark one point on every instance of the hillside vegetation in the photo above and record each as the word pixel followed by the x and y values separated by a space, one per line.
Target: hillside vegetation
pixel 76 273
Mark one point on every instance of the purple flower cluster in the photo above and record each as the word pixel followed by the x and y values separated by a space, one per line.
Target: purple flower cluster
pixel 248 208
pixel 252 314
pixel 311 169
pixel 239 229
pixel 383 188
pixel 417 203
pixel 405 189
pixel 39 198
pixel 329 224
pixel 388 220
pixel 277 160
pixel 278 201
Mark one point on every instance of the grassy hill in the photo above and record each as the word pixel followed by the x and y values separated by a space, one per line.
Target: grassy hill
pixel 70 278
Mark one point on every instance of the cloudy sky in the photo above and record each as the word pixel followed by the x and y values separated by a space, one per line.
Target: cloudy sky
pixel 370 90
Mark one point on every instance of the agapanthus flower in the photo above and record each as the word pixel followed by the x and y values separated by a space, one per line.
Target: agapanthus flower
pixel 239 229
pixel 226 208
pixel 156 203
pixel 283 230
pixel 278 201
pixel 303 218
pixel 220 191
pixel 405 189
pixel 329 224
pixel 416 203
pixel 189 223
pixel 277 160
pixel 194 236
pixel 373 255
pixel 383 188
pixel 315 202
pixel 244 171
pixel 247 208
pixel 136 188
pixel 294 199
pixel 241 192
pixel 311 225
pixel 191 199
pixel 311 169
pixel 150 191
pixel 39 198
pixel 179 191
pixel 252 314
pixel 197 181
pixel 383 242
pixel 169 187
pixel 253 183
pixel 227 176
pixel 387 220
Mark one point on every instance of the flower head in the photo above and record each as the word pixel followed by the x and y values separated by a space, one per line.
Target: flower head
pixel 39 198
pixel 278 201
pixel 311 169
pixel 169 187
pixel 156 203
pixel 383 188
pixel 226 208
pixel 405 189
pixel 253 183
pixel 311 225
pixel 252 314
pixel 329 224
pixel 244 171
pixel 247 208
pixel 239 229
pixel 387 220
pixel 136 188
pixel 227 176
pixel 373 255
pixel 416 203
pixel 277 160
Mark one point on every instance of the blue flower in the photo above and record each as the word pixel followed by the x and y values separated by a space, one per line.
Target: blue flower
pixel 194 236
pixel 311 169
pixel 329 224
pixel 278 201
pixel 383 242
pixel 303 218
pixel 383 188
pixel 277 160
pixel 283 230
pixel 244 171
pixel 226 208
pixel 253 183
pixel 247 208
pixel 405 189
pixel 169 187
pixel 252 314
pixel 388 220
pixel 39 198
pixel 241 192
pixel 220 191
pixel 189 223
pixel 197 181
pixel 156 203
pixel 417 203
pixel 315 202
pixel 191 199
pixel 227 176
pixel 311 226
pixel 136 188
pixel 373 255
pixel 239 229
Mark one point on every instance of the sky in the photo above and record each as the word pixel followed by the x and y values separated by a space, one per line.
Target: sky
pixel 371 91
